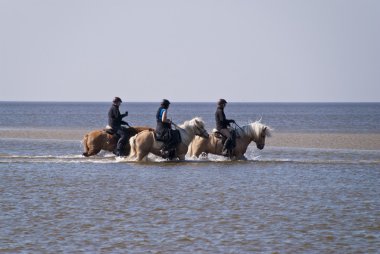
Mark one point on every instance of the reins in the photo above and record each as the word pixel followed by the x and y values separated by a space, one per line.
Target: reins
pixel 175 125
pixel 239 127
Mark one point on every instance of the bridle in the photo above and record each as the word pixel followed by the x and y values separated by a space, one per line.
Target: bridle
pixel 201 132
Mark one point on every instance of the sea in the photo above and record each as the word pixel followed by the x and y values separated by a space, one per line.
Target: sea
pixel 282 199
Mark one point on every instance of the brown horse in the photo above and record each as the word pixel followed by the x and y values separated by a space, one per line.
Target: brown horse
pixel 145 142
pixel 255 132
pixel 95 141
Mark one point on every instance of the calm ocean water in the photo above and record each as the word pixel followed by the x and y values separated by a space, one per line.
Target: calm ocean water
pixel 285 200
pixel 288 117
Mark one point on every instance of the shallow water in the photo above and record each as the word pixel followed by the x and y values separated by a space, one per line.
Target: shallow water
pixel 218 208
pixel 281 199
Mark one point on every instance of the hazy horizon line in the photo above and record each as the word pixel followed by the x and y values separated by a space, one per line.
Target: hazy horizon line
pixel 63 101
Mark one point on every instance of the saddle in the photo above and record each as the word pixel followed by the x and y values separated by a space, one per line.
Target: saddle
pixel 157 137
pixel 109 130
pixel 217 134
pixel 172 136
pixel 228 143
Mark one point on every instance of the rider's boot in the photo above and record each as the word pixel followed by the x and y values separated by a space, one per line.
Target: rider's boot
pixel 227 147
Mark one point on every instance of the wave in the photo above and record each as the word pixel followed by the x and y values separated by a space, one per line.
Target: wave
pixel 109 158
pixel 55 159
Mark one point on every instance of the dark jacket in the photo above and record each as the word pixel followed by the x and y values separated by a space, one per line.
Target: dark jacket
pixel 220 119
pixel 115 118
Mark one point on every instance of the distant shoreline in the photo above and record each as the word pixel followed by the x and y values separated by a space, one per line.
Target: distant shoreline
pixel 360 141
pixel 194 102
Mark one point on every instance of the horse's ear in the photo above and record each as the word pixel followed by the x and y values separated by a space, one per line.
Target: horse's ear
pixel 265 129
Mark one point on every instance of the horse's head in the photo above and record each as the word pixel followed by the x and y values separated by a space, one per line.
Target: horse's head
pixel 260 142
pixel 198 126
pixel 259 132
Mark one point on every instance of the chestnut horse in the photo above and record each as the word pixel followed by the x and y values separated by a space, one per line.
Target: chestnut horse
pixel 95 141
pixel 255 132
pixel 145 142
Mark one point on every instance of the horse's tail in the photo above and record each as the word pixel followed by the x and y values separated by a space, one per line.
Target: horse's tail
pixel 85 146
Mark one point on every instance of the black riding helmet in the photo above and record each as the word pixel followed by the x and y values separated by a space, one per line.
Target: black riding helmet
pixel 165 103
pixel 222 101
pixel 116 99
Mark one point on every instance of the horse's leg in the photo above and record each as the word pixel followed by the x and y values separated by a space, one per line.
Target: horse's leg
pixel 139 156
pixel 89 150
pixel 85 146
pixel 197 153
pixel 92 152
pixel 138 152
pixel 198 146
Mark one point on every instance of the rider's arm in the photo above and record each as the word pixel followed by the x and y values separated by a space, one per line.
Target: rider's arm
pixel 125 114
pixel 164 117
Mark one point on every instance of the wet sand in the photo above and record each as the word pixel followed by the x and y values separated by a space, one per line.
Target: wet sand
pixel 302 140
pixel 326 140
pixel 44 134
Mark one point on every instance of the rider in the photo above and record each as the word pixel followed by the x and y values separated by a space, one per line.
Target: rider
pixel 115 121
pixel 222 125
pixel 163 128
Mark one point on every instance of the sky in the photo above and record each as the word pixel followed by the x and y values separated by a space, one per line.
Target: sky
pixel 190 51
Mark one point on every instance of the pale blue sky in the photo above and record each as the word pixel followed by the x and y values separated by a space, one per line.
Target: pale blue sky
pixel 244 51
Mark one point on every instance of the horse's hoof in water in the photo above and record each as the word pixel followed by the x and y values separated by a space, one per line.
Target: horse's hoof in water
pixel 164 154
pixel 203 155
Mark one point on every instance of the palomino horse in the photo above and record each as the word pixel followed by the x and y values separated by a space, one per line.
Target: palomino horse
pixel 145 142
pixel 255 132
pixel 95 141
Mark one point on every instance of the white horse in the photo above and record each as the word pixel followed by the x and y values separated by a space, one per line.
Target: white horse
pixel 253 132
pixel 145 142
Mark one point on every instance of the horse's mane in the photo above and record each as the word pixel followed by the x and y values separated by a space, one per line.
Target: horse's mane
pixel 254 129
pixel 197 121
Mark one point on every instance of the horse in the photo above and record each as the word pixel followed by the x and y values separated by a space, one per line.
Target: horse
pixel 97 140
pixel 256 132
pixel 145 142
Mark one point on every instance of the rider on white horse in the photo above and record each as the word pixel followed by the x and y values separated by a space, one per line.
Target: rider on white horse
pixel 222 125
pixel 164 132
